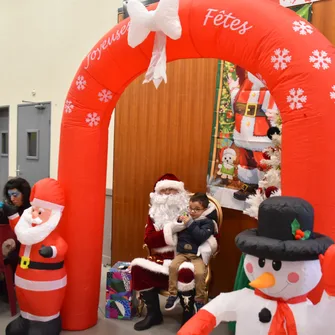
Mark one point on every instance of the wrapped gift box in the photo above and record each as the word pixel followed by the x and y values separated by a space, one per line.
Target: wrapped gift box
pixel 118 292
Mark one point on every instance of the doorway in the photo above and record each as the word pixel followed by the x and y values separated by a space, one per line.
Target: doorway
pixel 4 152
pixel 33 141
pixel 156 132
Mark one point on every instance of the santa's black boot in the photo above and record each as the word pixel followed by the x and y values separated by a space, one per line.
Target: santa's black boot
pixel 245 191
pixel 187 302
pixel 52 327
pixel 17 327
pixel 154 315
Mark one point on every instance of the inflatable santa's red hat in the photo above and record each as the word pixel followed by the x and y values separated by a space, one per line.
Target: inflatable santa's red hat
pixel 47 193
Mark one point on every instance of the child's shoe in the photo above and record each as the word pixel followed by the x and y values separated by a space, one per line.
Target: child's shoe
pixel 198 305
pixel 171 302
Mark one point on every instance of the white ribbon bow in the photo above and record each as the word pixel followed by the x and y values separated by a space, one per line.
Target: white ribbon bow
pixel 165 22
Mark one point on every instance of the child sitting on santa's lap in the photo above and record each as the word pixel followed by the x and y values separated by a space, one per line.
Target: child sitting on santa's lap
pixel 198 228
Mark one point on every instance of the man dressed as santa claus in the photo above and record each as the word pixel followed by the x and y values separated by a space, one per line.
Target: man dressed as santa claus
pixel 40 277
pixel 168 201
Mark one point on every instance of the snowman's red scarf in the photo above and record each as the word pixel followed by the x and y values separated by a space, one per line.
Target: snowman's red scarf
pixel 283 315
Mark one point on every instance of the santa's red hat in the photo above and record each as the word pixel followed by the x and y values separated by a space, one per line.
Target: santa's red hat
pixel 47 193
pixel 169 180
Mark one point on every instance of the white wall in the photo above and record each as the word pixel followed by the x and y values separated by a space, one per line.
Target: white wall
pixel 42 43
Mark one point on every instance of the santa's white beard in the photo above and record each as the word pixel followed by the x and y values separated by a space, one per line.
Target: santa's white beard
pixel 29 235
pixel 167 208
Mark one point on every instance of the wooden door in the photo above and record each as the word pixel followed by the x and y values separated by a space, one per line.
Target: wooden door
pixel 159 131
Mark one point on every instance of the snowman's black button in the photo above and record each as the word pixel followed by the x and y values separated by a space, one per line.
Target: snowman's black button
pixel 264 315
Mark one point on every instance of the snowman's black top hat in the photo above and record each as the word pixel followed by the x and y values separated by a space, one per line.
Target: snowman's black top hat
pixel 285 232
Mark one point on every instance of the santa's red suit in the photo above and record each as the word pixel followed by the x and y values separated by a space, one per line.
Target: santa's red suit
pixel 40 277
pixel 153 271
pixel 151 274
pixel 250 104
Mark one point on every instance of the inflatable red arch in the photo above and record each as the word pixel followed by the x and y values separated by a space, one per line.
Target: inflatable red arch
pixel 295 61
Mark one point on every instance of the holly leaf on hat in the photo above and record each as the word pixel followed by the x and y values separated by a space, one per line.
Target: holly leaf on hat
pixel 298 233
pixel 295 226
pixel 307 235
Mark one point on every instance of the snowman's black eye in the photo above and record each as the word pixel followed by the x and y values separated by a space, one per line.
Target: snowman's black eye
pixel 276 265
pixel 261 262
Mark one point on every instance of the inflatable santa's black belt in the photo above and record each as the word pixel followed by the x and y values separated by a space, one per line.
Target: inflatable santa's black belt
pixel 40 266
pixel 249 109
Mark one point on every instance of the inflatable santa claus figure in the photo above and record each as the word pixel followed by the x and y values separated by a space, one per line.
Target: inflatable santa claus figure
pixel 284 262
pixel 250 105
pixel 40 278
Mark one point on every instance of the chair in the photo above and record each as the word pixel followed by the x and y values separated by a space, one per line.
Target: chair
pixel 209 272
pixel 6 233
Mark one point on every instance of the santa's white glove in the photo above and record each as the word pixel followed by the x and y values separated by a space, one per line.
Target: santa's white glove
pixel 177 227
pixel 205 252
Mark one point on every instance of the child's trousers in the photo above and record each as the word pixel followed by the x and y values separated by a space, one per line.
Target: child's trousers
pixel 200 272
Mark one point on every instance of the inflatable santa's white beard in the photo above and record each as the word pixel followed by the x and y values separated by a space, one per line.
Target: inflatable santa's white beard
pixel 28 234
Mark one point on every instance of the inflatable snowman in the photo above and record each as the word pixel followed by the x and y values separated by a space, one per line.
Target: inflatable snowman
pixel 284 262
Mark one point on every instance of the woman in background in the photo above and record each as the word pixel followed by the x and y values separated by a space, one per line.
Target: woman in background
pixel 16 193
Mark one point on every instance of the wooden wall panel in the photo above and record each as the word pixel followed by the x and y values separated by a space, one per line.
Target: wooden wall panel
pixel 324 18
pixel 224 266
pixel 159 131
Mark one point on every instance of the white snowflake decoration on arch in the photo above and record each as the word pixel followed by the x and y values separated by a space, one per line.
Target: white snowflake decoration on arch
pixel 68 107
pixel 81 83
pixel 302 28
pixel 296 98
pixel 92 119
pixel 105 95
pixel 320 59
pixel 332 94
pixel 281 58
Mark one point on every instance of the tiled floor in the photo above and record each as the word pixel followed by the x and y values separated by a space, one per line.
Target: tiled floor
pixel 118 327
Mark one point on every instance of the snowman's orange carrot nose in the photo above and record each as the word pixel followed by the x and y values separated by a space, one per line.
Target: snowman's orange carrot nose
pixel 264 281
